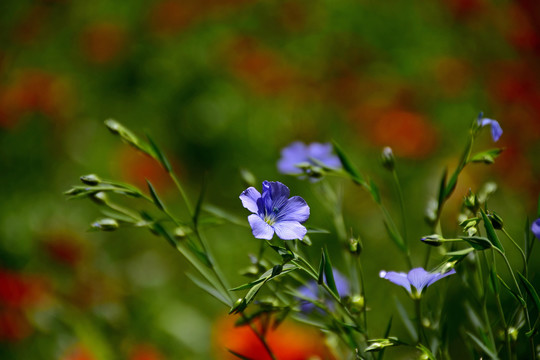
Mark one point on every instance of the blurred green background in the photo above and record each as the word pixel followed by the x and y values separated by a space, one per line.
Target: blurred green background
pixel 223 85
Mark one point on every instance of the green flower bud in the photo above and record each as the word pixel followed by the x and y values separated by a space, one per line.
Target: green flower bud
pixel 106 224
pixel 181 232
pixel 387 158
pixel 357 303
pixel 91 179
pixel 433 240
pixel 99 198
pixel 355 246
pixel 496 221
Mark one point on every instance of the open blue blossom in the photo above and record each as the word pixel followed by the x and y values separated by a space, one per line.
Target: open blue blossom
pixel 299 158
pixel 535 228
pixel 417 277
pixel 273 211
pixel 311 291
pixel 496 130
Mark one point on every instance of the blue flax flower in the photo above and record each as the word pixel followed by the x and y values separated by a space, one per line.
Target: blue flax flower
pixel 273 211
pixel 417 277
pixel 311 291
pixel 535 228
pixel 299 158
pixel 496 130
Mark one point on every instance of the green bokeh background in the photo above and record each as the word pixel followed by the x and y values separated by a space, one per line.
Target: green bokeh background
pixel 224 85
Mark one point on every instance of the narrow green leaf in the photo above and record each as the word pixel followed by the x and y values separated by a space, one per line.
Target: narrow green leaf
pixel 322 266
pixel 490 231
pixel 442 190
pixel 405 319
pixel 394 234
pixel 492 354
pixel 486 157
pixel 374 190
pixel 460 252
pixel 225 215
pixel 203 257
pixel 514 294
pixel 530 290
pixel 159 155
pixel 198 206
pixel 348 166
pixel 155 197
pixel 329 274
pixel 478 242
pixel 494 280
pixel 208 288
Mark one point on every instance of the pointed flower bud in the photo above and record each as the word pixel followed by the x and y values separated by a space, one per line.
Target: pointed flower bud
pixel 496 221
pixel 433 240
pixel 387 158
pixel 106 224
pixel 91 179
pixel 355 246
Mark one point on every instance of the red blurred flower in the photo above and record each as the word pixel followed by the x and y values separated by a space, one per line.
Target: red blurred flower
pixel 288 342
pixel 170 16
pixel 31 25
pixel 145 352
pixel 261 69
pixel 103 42
pixel 21 290
pixel 13 325
pixel 409 134
pixel 465 9
pixel 65 248
pixel 34 90
pixel 135 167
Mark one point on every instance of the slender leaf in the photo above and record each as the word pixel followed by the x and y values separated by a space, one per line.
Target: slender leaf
pixel 208 288
pixel 328 273
pixel 442 190
pixel 530 290
pixel 198 206
pixel 394 234
pixel 154 195
pixel 225 215
pixel 405 318
pixel 478 242
pixel 322 266
pixel 374 190
pixel 490 231
pixel 159 155
pixel 348 166
pixel 514 294
pixel 483 346
pixel 487 157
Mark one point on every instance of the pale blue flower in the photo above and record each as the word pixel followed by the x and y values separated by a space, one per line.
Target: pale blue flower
pixel 496 130
pixel 273 211
pixel 416 280
pixel 299 158
pixel 535 228
pixel 311 291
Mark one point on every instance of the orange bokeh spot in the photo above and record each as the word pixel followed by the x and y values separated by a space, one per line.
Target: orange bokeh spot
pixel 65 248
pixel 145 352
pixel 135 167
pixel 408 134
pixel 104 42
pixel 31 91
pixel 13 326
pixel 288 342
pixel 21 290
pixel 261 69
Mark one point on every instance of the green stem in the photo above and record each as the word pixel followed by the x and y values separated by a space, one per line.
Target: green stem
pixel 527 317
pixel 401 207
pixel 419 327
pixel 523 257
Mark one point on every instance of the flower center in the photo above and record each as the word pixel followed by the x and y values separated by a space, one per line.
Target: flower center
pixel 270 219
